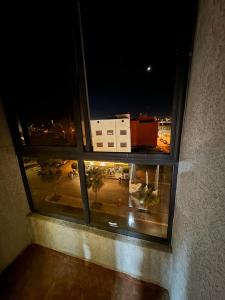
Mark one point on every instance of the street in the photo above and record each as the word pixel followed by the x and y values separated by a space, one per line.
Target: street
pixel 113 196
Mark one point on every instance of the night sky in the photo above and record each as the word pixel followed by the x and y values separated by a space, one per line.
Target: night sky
pixel 121 40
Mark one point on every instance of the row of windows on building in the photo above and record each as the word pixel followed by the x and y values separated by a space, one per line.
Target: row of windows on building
pixel 111 144
pixel 111 132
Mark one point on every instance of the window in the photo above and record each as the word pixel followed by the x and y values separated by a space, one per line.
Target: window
pixel 109 132
pixel 123 145
pixel 54 185
pixel 97 134
pixel 123 132
pixel 130 196
pixel 110 144
pixel 99 145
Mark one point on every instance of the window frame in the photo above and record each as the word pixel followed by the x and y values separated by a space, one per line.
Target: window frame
pixel 84 152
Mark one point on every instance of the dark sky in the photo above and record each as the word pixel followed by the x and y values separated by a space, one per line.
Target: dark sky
pixel 38 60
pixel 121 40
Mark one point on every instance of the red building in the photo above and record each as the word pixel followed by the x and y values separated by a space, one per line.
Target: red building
pixel 144 131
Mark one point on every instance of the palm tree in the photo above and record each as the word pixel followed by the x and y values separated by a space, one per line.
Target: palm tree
pixel 95 182
pixel 149 196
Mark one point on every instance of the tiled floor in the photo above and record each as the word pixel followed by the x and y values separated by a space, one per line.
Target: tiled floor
pixel 40 273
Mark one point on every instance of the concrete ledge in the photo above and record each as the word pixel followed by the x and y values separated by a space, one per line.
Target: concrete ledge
pixel 141 259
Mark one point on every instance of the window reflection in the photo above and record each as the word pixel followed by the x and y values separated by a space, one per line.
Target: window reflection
pixel 55 185
pixel 53 132
pixel 129 196
pixel 131 73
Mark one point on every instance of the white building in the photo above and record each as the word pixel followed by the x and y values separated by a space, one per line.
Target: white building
pixel 111 135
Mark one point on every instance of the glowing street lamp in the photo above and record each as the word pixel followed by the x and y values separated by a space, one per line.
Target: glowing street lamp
pixel 149 68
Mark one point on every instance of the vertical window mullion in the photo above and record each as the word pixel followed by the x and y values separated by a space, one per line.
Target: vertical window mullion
pixel 182 63
pixel 84 98
pixel 25 182
pixel 84 193
pixel 172 201
pixel 12 122
pixel 77 121
pixel 25 130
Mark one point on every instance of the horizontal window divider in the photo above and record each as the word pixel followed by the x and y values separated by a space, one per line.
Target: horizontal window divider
pixel 49 152
pixel 148 159
pixel 73 153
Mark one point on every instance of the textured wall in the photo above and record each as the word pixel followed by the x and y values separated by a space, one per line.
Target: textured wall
pixel 14 232
pixel 137 258
pixel 199 226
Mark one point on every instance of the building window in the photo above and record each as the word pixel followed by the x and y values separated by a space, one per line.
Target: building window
pixel 111 144
pixel 98 132
pixel 123 132
pixel 99 145
pixel 109 132
pixel 126 82
pixel 123 145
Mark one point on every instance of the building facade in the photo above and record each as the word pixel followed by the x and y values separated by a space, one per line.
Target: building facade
pixel 111 135
pixel 144 132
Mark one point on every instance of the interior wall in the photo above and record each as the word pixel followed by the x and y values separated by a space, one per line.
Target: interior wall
pixel 14 230
pixel 198 270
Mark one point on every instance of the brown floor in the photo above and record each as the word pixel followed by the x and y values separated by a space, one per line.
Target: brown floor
pixel 40 273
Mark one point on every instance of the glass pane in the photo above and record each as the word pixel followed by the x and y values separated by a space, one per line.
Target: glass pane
pixel 52 132
pixel 21 132
pixel 55 186
pixel 131 61
pixel 131 196
pixel 45 93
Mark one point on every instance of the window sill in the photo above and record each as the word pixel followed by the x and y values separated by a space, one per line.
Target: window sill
pixel 104 233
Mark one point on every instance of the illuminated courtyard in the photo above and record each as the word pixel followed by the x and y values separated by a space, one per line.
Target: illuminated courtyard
pixel 118 199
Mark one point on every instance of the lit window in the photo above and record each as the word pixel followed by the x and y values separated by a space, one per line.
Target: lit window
pixel 109 132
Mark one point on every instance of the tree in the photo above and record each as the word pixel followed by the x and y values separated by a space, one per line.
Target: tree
pixel 74 166
pixel 49 172
pixel 95 182
pixel 149 196
pixel 66 126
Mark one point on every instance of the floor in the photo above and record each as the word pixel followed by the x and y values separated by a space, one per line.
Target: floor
pixel 40 273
